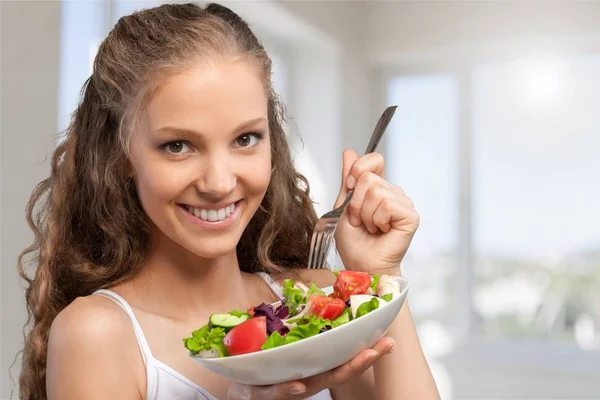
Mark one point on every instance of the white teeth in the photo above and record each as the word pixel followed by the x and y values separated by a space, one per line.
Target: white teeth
pixel 212 215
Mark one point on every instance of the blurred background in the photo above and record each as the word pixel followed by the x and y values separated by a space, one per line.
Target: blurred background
pixel 496 139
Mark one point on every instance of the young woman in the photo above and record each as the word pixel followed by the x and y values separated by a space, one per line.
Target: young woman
pixel 174 196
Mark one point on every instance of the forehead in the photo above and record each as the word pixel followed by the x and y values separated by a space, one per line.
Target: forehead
pixel 213 97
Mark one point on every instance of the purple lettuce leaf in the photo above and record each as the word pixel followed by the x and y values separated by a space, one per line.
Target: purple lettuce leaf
pixel 274 322
pixel 282 312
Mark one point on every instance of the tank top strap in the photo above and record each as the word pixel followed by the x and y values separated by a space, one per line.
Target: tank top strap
pixel 139 334
pixel 273 284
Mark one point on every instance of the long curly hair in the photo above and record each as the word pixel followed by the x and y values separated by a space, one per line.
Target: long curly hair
pixel 90 229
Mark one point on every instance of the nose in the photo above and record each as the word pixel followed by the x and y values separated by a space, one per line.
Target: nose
pixel 217 179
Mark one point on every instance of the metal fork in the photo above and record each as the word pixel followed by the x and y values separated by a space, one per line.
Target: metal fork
pixel 325 227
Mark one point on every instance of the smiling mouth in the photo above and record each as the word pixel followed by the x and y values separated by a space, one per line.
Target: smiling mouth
pixel 209 214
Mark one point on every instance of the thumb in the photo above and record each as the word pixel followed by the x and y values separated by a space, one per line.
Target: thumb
pixel 348 159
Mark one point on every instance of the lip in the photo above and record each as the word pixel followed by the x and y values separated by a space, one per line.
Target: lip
pixel 210 206
pixel 214 225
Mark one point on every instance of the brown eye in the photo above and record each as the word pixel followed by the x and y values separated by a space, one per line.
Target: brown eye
pixel 176 147
pixel 248 140
pixel 244 141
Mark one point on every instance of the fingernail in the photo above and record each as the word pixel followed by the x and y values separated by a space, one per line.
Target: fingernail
pixel 391 349
pixel 297 390
pixel 350 182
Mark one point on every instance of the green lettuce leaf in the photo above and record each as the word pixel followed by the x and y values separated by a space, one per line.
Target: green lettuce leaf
pixel 375 282
pixel 367 307
pixel 342 319
pixel 275 340
pixel 204 339
pixel 292 296
pixel 307 327
pixel 314 290
pixel 388 297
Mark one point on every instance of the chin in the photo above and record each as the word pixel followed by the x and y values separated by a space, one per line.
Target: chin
pixel 212 249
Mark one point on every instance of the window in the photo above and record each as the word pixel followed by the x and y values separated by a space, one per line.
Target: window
pixel 84 25
pixel 531 134
pixel 536 231
pixel 422 146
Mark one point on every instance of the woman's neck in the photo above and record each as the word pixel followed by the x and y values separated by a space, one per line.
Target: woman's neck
pixel 178 284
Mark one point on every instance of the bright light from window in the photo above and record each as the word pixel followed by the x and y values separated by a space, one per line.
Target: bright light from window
pixel 93 50
pixel 542 84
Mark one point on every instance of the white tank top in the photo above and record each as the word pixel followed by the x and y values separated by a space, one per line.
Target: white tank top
pixel 163 382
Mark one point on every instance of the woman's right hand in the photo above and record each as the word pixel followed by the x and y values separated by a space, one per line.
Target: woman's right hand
pixel 307 387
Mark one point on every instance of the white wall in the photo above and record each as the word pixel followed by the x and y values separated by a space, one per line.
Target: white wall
pixel 417 32
pixel 29 94
pixel 344 21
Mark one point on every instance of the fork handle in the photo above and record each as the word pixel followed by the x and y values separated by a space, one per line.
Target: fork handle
pixel 376 136
pixel 380 128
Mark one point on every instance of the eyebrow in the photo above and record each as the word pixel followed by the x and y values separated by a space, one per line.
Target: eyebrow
pixel 183 131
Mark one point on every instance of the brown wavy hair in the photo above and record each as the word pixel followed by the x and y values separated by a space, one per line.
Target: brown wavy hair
pixel 90 229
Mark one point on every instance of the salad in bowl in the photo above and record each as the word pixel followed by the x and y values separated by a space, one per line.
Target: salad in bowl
pixel 309 331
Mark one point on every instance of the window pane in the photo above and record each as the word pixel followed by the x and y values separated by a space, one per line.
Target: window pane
pixel 83 27
pixel 536 198
pixel 422 158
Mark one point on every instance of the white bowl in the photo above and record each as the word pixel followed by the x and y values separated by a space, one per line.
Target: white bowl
pixel 313 355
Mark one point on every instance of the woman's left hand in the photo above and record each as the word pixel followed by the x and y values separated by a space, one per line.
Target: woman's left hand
pixel 380 221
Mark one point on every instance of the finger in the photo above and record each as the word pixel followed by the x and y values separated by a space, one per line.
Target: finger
pixel 288 390
pixel 397 189
pixel 348 158
pixel 375 196
pixel 407 201
pixel 354 368
pixel 372 163
pixel 394 212
pixel 365 199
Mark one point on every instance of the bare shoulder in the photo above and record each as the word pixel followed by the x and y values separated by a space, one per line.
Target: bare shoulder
pixel 92 349
pixel 91 315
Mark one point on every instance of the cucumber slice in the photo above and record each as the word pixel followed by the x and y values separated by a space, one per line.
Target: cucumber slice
pixel 227 321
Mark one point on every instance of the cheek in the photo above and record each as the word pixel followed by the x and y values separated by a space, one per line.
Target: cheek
pixel 258 175
pixel 155 185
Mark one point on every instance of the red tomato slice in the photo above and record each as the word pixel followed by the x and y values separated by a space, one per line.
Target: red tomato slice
pixel 247 337
pixel 325 307
pixel 351 282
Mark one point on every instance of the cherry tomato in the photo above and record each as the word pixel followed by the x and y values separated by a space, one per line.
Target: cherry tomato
pixel 325 307
pixel 351 282
pixel 247 337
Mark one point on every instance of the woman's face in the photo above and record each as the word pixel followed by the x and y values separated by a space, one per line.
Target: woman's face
pixel 202 158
